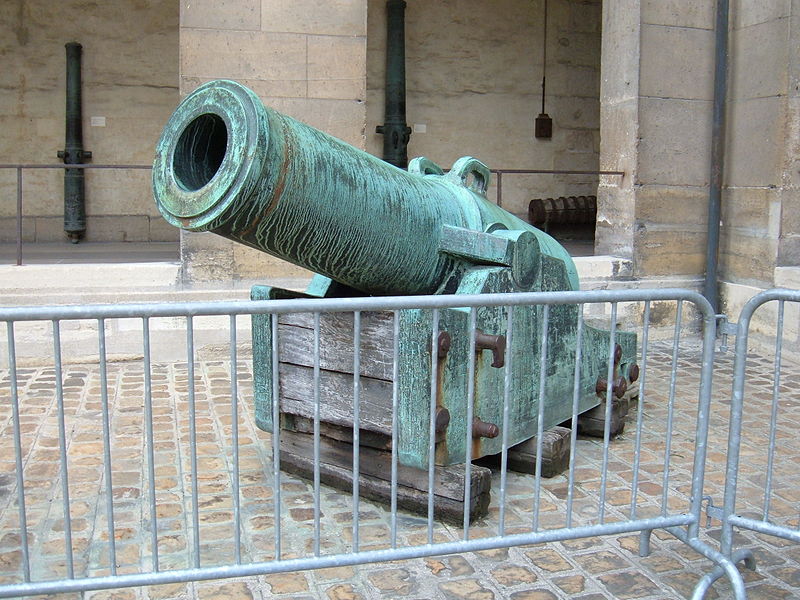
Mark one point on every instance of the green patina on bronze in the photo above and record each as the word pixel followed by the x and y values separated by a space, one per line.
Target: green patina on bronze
pixel 228 164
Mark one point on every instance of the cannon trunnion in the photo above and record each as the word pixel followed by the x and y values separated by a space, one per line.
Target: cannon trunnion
pixel 228 164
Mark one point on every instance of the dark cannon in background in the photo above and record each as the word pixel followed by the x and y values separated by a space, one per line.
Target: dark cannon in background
pixel 228 164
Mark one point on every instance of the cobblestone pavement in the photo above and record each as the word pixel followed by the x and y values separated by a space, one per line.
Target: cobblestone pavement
pixel 590 569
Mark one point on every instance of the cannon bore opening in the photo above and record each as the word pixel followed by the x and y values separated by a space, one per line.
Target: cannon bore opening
pixel 199 151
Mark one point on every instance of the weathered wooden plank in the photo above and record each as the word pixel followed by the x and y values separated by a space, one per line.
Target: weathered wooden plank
pixel 556 443
pixel 296 342
pixel 336 397
pixel 343 434
pixel 335 467
pixel 593 422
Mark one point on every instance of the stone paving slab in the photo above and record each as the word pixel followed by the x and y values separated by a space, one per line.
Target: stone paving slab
pixel 589 569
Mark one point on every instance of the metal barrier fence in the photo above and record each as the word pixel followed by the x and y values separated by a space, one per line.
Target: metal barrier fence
pixel 772 501
pixel 150 470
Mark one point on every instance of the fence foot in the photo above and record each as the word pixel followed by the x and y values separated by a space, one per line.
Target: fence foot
pixel 726 567
pixel 644 542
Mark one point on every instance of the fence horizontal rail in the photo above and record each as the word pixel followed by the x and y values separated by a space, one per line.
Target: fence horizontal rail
pixel 310 305
pixel 325 562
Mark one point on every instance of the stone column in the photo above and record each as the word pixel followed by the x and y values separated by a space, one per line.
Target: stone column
pixel 760 235
pixel 305 58
pixel 619 126
pixel 657 84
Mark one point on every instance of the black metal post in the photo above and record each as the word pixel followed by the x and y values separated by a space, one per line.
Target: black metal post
pixel 711 287
pixel 73 153
pixel 395 130
pixel 19 216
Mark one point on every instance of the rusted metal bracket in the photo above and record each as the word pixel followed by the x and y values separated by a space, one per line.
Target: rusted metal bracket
pixel 495 343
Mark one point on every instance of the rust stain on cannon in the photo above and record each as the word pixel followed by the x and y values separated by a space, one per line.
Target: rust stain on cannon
pixel 444 344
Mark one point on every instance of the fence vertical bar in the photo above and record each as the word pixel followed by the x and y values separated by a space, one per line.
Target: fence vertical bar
pixel 276 433
pixel 19 215
pixel 193 438
pixel 773 421
pixel 537 486
pixel 612 346
pixel 395 424
pixel 736 413
pixel 316 434
pixel 640 412
pixel 62 446
pixel 671 407
pixel 237 532
pixel 112 544
pixel 470 406
pixel 23 518
pixel 356 422
pixel 432 418
pixel 576 398
pixel 501 528
pixel 703 417
pixel 148 417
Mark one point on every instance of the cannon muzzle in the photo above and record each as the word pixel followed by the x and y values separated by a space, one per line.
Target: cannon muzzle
pixel 226 163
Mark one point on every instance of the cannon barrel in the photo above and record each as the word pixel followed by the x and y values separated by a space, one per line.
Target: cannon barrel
pixel 225 163
pixel 74 153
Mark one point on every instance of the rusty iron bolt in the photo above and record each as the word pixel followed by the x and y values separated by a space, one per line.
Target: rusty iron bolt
pixel 617 353
pixel 482 429
pixel 444 344
pixel 618 389
pixel 633 372
pixel 442 419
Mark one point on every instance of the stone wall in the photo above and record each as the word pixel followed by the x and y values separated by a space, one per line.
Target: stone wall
pixel 304 58
pixel 474 73
pixel 130 87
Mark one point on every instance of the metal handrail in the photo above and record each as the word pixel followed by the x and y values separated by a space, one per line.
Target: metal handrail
pixel 19 168
pixel 501 172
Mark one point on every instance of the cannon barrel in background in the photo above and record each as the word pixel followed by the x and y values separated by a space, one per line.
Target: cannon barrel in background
pixel 395 130
pixel 73 153
pixel 226 163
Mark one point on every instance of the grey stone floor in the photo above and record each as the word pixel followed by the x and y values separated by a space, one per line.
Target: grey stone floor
pixel 589 569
